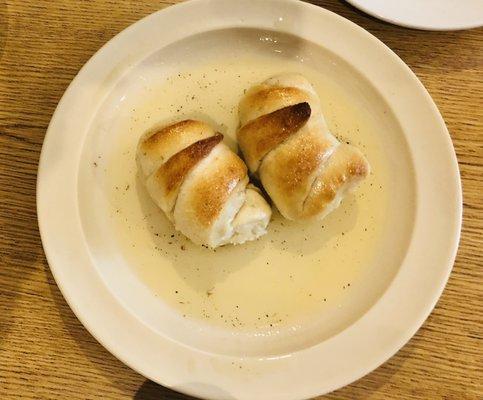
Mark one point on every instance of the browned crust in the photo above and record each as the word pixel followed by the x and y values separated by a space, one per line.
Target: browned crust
pixel 173 172
pixel 287 174
pixel 334 178
pixel 260 136
pixel 169 131
pixel 212 193
pixel 299 165
pixel 165 138
pixel 261 97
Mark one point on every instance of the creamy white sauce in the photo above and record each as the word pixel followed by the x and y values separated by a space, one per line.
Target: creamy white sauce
pixel 294 272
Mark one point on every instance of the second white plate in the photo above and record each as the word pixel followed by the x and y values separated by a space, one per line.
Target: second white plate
pixel 437 15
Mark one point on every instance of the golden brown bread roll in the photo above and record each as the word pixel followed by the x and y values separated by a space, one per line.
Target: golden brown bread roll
pixel 201 185
pixel 286 142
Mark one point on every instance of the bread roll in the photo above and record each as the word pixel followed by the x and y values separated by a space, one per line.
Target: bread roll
pixel 201 185
pixel 285 141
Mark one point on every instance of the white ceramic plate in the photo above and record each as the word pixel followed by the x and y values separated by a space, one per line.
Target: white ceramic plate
pixel 437 15
pixel 349 292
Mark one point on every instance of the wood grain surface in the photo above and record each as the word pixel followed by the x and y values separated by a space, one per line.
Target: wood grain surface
pixel 45 353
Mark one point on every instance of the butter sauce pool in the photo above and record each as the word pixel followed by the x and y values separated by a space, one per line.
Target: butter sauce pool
pixel 296 271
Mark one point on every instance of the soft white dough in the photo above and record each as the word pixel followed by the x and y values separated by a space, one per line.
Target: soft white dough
pixel 252 219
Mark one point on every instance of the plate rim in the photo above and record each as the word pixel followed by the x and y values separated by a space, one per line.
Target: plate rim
pixel 44 211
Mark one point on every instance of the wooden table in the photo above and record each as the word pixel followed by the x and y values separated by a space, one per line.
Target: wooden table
pixel 45 353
